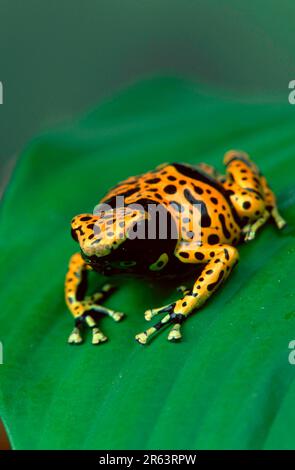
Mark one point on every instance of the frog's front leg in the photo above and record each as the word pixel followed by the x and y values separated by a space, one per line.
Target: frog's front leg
pixel 82 306
pixel 218 263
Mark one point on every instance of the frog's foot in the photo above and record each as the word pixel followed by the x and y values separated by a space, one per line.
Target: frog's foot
pixel 75 336
pixel 251 229
pixel 152 312
pixel 85 311
pixel 98 336
pixel 174 334
pixel 249 234
pixel 279 220
pixel 95 300
pixel 143 337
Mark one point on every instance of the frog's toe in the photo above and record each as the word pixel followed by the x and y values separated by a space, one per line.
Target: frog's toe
pixel 98 336
pixel 148 314
pixel 250 235
pixel 281 223
pixel 152 312
pixel 117 316
pixel 279 220
pixel 175 333
pixel 75 336
pixel 141 338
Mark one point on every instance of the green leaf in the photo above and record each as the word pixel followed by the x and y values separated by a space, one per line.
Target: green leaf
pixel 229 384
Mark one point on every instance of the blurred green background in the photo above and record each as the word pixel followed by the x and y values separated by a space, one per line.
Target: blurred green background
pixel 59 57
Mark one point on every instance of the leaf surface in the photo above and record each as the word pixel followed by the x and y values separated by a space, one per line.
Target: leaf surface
pixel 229 383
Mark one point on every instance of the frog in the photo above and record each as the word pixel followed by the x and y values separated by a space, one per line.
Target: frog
pixel 207 215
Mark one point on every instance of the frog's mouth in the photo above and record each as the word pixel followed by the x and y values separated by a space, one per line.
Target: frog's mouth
pixel 99 265
pixel 101 248
pixel 106 266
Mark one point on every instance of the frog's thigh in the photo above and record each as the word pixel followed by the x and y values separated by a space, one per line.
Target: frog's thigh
pixel 218 262
pixel 250 193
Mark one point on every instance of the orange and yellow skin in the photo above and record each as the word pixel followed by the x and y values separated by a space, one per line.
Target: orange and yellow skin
pixel 229 209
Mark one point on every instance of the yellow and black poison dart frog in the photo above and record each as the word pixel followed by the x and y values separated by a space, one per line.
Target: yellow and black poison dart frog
pixel 229 209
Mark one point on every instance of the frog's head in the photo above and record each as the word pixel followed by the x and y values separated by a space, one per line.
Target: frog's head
pixel 100 236
pixel 119 240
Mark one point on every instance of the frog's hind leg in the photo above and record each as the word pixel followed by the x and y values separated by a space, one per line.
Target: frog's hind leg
pixel 271 204
pixel 84 307
pixel 250 194
pixel 218 263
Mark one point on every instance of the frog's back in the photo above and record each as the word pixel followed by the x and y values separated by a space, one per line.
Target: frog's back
pixel 185 191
